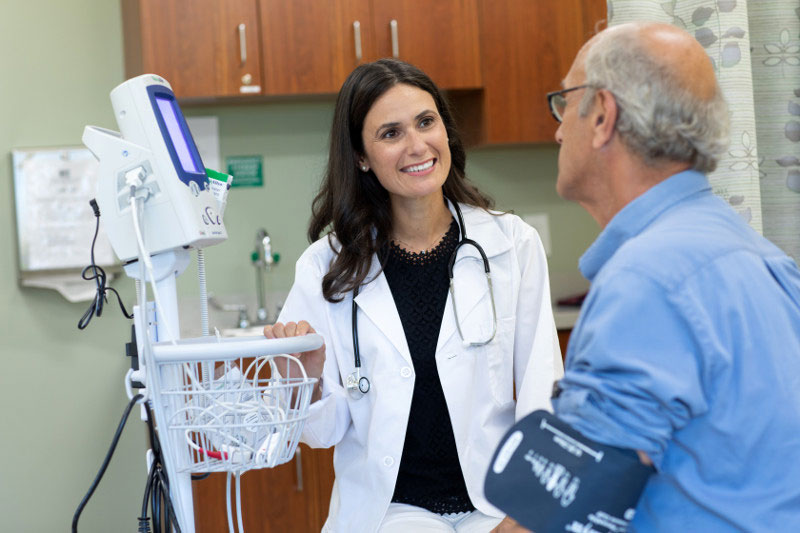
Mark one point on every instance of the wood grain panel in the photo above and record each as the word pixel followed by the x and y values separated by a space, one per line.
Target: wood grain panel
pixel 528 47
pixel 563 341
pixel 193 44
pixel 440 37
pixel 233 70
pixel 308 46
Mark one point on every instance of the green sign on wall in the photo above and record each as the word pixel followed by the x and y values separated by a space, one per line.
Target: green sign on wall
pixel 247 170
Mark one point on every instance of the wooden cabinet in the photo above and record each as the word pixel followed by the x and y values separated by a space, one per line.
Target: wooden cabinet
pixel 507 53
pixel 274 500
pixel 204 48
pixel 527 47
pixel 211 48
pixel 310 46
pixel 440 37
pixel 563 341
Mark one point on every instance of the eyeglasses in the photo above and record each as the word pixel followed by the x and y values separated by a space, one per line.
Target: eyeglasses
pixel 558 103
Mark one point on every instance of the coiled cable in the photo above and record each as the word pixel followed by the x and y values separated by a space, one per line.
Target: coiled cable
pixel 95 273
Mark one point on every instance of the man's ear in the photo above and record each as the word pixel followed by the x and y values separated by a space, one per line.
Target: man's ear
pixel 604 118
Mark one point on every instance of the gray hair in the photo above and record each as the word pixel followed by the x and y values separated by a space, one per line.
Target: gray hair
pixel 658 118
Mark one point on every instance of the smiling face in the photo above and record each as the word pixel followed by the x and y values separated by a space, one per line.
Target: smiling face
pixel 405 144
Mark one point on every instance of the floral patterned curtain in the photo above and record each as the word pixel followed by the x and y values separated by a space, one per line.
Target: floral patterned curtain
pixel 755 48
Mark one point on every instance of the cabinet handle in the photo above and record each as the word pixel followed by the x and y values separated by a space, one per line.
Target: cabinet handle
pixel 395 40
pixel 357 36
pixel 298 460
pixel 242 44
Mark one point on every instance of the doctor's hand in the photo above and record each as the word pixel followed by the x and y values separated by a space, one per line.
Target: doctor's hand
pixel 313 360
pixel 509 525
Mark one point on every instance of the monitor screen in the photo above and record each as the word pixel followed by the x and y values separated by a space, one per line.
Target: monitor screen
pixel 170 114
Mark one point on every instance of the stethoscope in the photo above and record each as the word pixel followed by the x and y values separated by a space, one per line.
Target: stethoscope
pixel 358 385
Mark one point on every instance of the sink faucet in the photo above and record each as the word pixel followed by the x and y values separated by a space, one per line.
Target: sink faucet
pixel 263 259
pixel 243 321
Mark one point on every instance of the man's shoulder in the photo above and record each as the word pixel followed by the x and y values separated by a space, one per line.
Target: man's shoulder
pixel 689 238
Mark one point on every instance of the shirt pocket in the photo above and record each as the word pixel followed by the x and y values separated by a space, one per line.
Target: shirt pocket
pixel 499 359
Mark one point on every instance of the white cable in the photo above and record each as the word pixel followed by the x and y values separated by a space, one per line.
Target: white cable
pixel 141 297
pixel 239 501
pixel 228 501
pixel 145 257
pixel 145 349
pixel 146 264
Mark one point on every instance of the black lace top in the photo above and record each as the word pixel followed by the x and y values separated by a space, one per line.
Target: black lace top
pixel 430 475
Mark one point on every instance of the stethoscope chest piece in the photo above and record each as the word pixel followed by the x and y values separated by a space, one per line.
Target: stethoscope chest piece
pixel 357 385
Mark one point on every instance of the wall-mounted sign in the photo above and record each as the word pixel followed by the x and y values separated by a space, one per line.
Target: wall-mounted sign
pixel 247 170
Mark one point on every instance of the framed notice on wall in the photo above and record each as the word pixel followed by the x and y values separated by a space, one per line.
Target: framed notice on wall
pixel 55 223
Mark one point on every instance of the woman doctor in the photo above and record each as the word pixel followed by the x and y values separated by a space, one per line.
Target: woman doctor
pixel 434 387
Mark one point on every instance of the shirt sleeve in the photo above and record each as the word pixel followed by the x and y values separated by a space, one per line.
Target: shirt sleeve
pixel 537 354
pixel 633 376
pixel 329 416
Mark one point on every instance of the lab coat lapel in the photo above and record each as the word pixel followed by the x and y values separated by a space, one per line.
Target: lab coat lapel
pixel 469 279
pixel 376 303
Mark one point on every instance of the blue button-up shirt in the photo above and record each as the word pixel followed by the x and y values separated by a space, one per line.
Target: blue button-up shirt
pixel 688 348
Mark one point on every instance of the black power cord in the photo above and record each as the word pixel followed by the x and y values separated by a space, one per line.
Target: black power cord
pixel 96 273
pixel 156 490
pixel 106 461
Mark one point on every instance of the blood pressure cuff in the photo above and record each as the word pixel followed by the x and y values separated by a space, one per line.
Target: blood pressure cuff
pixel 550 478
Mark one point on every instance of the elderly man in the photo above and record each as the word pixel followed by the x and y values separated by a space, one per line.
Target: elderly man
pixel 688 344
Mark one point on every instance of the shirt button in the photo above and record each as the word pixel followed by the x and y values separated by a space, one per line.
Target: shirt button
pixel 405 372
pixel 388 461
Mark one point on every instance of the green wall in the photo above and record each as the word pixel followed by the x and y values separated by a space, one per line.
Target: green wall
pixel 62 389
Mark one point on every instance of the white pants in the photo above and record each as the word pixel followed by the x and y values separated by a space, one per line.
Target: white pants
pixel 403 518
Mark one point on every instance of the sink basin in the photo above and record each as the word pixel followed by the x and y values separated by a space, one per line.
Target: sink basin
pixel 243 332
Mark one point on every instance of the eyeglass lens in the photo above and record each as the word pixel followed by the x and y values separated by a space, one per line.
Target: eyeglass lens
pixel 558 104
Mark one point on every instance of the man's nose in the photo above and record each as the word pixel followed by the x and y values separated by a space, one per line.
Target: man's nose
pixel 558 135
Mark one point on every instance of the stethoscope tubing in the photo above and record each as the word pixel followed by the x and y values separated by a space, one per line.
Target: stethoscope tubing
pixel 359 385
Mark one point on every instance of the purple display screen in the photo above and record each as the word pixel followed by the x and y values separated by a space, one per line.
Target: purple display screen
pixel 170 115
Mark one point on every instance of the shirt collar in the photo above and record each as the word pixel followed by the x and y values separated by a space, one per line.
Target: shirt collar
pixel 637 215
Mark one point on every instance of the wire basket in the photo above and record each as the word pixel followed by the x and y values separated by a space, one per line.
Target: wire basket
pixel 232 414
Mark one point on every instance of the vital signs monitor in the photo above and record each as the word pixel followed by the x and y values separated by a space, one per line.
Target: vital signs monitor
pixel 154 153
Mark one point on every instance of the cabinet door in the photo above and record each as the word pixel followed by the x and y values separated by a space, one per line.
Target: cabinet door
pixel 440 37
pixel 310 46
pixel 528 47
pixel 274 500
pixel 204 48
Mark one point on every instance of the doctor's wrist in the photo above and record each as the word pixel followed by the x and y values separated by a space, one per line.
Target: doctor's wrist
pixel 316 394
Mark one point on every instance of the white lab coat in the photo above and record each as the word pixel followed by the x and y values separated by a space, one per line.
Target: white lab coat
pixel 478 382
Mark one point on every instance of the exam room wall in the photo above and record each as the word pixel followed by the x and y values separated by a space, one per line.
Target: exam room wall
pixel 61 389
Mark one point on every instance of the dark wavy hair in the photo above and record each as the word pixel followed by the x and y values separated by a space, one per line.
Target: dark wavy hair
pixel 352 204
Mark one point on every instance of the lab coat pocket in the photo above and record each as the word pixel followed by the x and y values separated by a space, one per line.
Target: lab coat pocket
pixel 499 357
